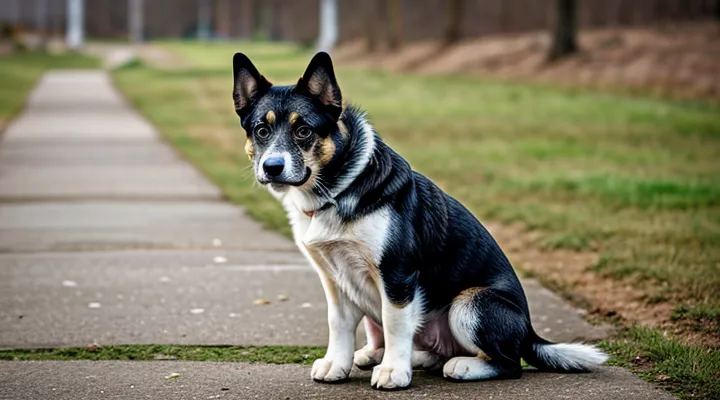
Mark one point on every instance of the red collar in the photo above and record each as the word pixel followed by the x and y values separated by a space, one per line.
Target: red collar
pixel 310 213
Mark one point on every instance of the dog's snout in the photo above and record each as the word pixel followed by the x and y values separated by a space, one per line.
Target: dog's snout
pixel 274 166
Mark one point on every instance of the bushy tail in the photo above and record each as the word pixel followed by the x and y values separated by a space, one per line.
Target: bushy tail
pixel 562 357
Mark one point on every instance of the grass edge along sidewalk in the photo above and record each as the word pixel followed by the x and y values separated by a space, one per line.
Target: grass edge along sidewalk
pixel 20 71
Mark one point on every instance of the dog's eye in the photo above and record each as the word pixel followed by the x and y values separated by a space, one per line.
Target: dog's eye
pixel 303 132
pixel 262 132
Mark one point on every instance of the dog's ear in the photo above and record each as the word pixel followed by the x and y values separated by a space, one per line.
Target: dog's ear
pixel 319 81
pixel 249 84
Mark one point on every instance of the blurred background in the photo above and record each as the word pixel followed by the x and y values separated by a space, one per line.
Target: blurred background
pixel 661 45
pixel 584 133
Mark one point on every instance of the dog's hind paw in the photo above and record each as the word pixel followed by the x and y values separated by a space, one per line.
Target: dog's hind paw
pixel 325 370
pixel 367 357
pixel 387 377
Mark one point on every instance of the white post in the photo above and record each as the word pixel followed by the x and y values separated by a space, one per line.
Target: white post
pixel 75 24
pixel 328 25
pixel 135 19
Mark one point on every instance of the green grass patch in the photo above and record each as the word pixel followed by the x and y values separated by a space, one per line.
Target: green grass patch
pixel 688 371
pixel 264 354
pixel 20 71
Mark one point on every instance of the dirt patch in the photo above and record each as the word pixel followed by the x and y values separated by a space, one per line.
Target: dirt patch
pixel 570 273
pixel 681 60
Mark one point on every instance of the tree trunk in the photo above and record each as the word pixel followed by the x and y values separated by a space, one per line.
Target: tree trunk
pixel 565 30
pixel 223 18
pixel 395 22
pixel 453 12
pixel 372 20
pixel 204 20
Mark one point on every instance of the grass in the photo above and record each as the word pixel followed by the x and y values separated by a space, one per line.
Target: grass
pixel 265 354
pixel 19 72
pixel 688 371
pixel 634 179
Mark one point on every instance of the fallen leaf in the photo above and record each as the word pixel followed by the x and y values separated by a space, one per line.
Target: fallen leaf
pixel 173 376
pixel 261 302
pixel 662 377
pixel 282 297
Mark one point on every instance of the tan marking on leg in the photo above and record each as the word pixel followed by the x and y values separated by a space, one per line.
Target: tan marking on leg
pixel 293 118
pixel 468 294
pixel 270 117
pixel 250 148
pixel 324 270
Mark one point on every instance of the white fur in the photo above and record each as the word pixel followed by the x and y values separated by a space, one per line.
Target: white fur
pixel 570 356
pixel 399 327
pixel 469 369
pixel 368 141
pixel 464 322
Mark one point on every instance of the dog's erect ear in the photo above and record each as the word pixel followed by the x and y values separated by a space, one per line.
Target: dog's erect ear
pixel 249 84
pixel 319 81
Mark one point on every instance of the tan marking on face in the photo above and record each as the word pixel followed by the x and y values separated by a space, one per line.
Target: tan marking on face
pixel 327 150
pixel 293 118
pixel 270 117
pixel 250 148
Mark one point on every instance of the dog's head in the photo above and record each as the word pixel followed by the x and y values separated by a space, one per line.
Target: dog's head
pixel 289 128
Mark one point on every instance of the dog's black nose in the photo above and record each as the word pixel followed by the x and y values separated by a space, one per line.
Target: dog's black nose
pixel 273 166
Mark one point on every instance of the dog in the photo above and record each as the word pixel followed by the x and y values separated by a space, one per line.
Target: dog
pixel 433 288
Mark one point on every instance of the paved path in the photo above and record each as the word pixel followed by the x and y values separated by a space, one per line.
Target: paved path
pixel 107 236
pixel 73 380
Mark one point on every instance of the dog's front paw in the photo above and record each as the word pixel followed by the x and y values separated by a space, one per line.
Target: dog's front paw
pixel 390 377
pixel 367 357
pixel 325 370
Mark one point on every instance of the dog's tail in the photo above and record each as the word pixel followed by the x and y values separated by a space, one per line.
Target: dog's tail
pixel 561 357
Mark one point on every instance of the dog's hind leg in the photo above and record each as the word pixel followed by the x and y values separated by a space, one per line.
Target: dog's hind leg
pixel 487 323
pixel 372 353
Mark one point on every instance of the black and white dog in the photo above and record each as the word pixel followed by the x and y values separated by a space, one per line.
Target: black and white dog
pixel 434 288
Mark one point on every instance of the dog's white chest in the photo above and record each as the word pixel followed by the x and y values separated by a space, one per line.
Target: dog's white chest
pixel 346 255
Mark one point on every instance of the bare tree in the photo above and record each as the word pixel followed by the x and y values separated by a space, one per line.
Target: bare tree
pixel 204 20
pixel 395 24
pixel 564 34
pixel 453 14
pixel 372 20
pixel 223 18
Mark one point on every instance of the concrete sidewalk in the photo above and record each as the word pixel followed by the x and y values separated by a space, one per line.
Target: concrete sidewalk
pixel 107 236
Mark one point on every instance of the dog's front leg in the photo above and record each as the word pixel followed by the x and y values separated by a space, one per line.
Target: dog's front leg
pixel 343 319
pixel 399 324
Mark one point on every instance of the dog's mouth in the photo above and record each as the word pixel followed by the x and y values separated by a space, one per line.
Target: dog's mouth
pixel 278 182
